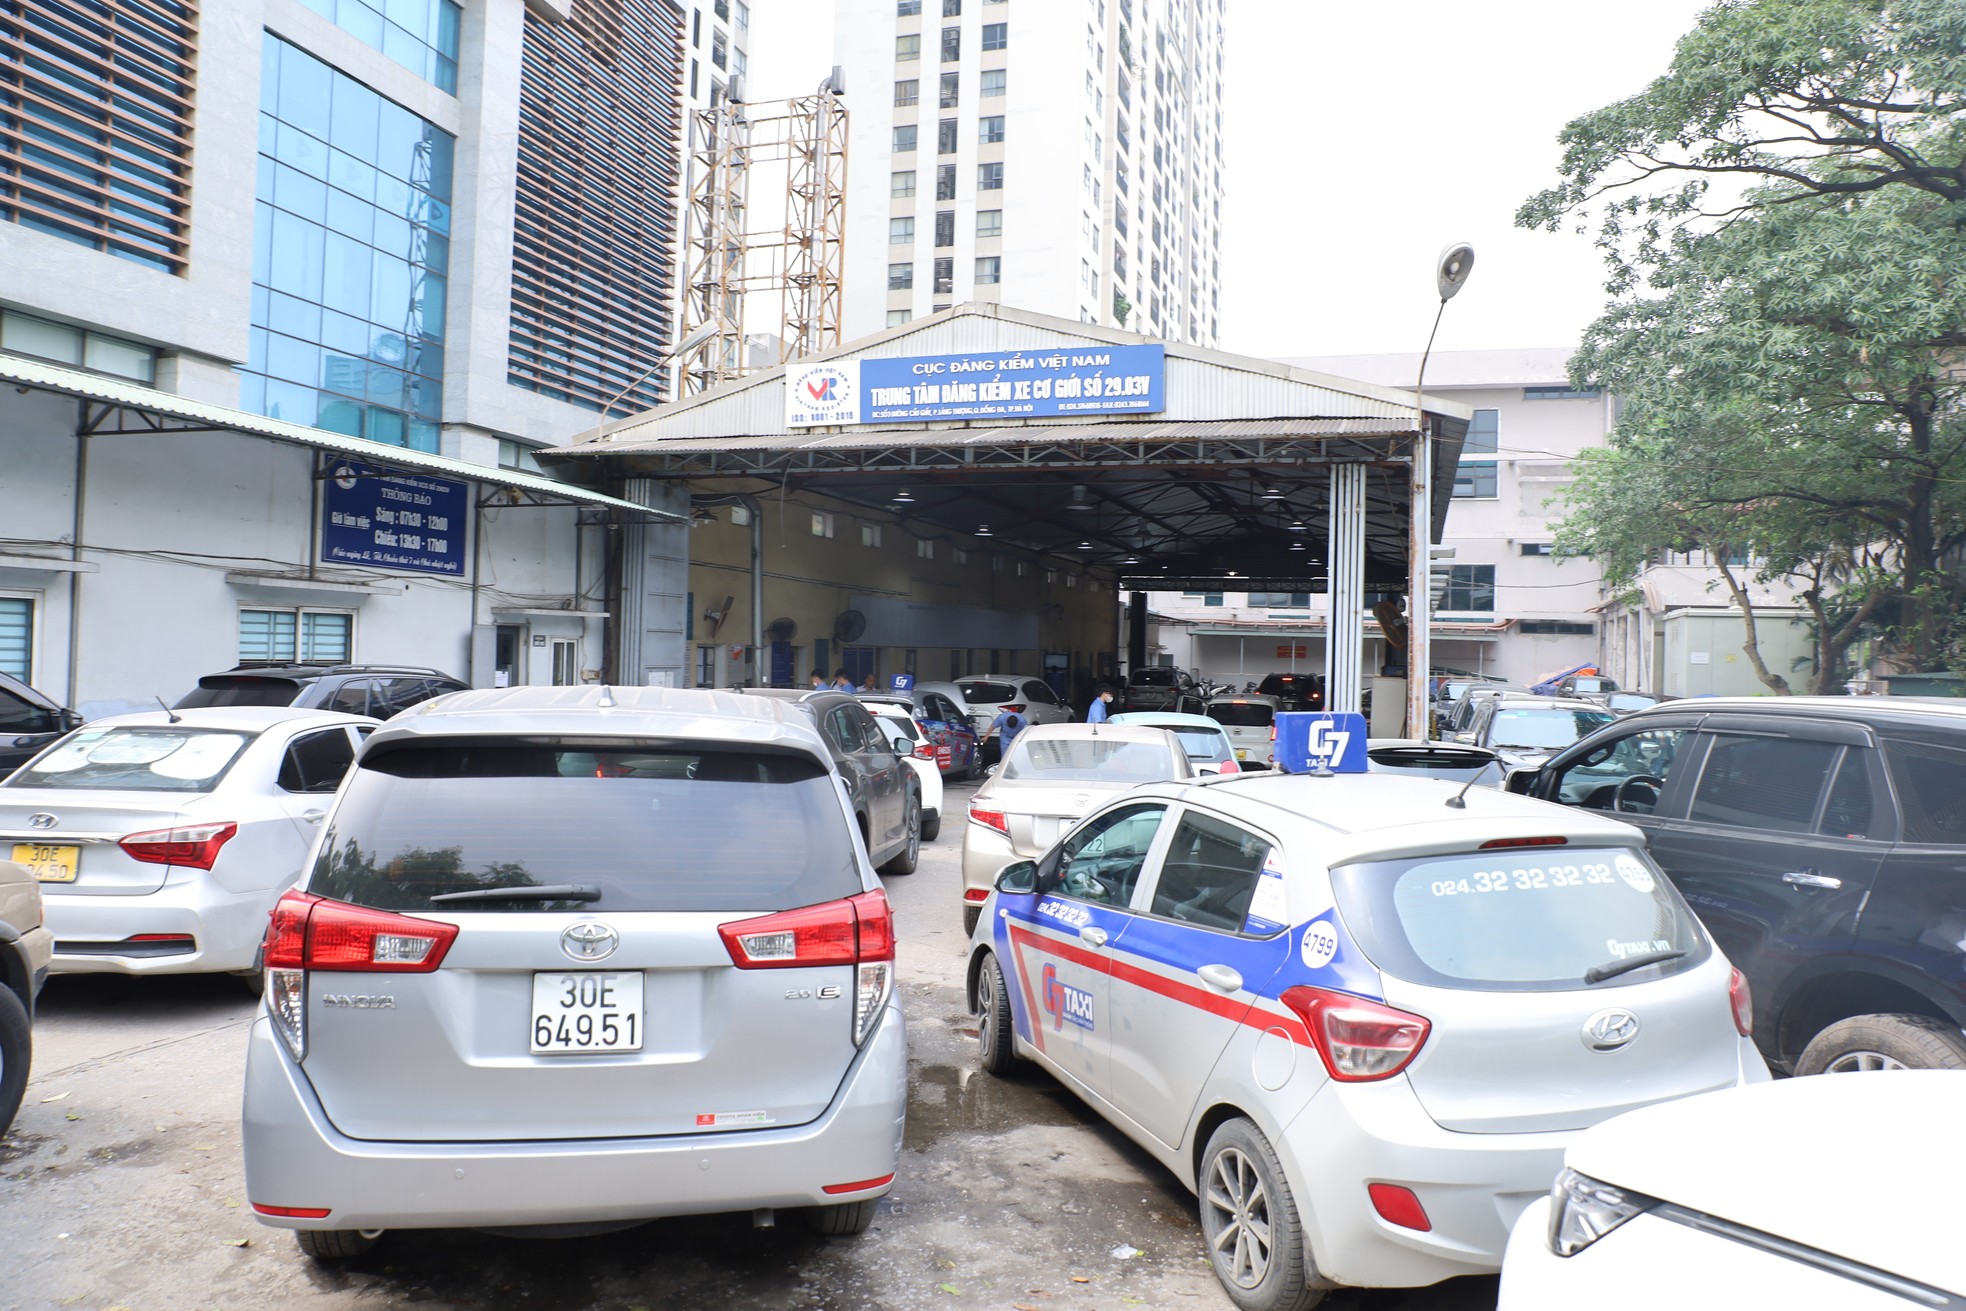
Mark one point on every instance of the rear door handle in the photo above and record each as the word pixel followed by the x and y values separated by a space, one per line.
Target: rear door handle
pixel 1092 935
pixel 1809 878
pixel 1221 978
pixel 314 816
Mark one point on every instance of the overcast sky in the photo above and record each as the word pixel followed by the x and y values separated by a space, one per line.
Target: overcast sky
pixel 1364 137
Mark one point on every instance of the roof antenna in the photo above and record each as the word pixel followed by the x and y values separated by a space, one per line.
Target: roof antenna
pixel 170 714
pixel 607 695
pixel 1455 802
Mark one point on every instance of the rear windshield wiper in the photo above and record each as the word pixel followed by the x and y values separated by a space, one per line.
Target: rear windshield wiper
pixel 1599 973
pixel 541 892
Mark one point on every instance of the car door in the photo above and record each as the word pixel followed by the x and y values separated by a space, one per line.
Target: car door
pixel 1752 855
pixel 1042 703
pixel 1915 920
pixel 1059 948
pixel 887 809
pixel 1190 965
pixel 359 696
pixel 311 768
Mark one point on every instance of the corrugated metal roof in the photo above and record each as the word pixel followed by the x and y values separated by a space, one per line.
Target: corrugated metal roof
pixel 1202 384
pixel 190 414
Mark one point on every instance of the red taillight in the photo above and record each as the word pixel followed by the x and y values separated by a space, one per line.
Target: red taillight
pixel 1359 1040
pixel 976 896
pixel 1742 1001
pixel 1273 730
pixel 1229 766
pixel 192 845
pixel 293 1212
pixel 924 751
pixel 857 931
pixel 312 933
pixel 1494 843
pixel 1398 1205
pixel 990 819
pixel 860 1187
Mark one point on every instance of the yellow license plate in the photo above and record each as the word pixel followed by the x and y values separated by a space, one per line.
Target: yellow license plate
pixel 1242 755
pixel 51 864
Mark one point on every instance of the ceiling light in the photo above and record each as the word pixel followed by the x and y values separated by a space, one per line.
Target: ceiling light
pixel 1131 559
pixel 902 497
pixel 1299 546
pixel 1081 498
pixel 1085 546
pixel 1272 493
pixel 1297 526
pixel 983 530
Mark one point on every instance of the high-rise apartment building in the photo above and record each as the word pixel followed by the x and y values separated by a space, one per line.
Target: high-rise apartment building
pixel 1063 156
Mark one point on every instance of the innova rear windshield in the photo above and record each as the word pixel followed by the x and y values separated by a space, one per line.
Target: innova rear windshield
pixel 662 827
pixel 1529 919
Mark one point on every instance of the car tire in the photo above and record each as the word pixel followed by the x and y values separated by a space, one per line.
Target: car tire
pixel 904 860
pixel 931 825
pixel 1242 1181
pixel 16 1053
pixel 1884 1042
pixel 996 1041
pixel 970 915
pixel 843 1220
pixel 336 1244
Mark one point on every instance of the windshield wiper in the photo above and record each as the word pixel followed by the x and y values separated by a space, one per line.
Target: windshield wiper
pixel 1599 973
pixel 541 892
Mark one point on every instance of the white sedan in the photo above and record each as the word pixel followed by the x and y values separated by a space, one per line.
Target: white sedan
pixel 912 745
pixel 1834 1190
pixel 161 840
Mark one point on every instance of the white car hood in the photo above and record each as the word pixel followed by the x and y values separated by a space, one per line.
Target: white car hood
pixel 1866 1166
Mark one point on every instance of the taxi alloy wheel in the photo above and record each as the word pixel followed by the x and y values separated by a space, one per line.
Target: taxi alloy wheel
pixel 996 1044
pixel 1249 1221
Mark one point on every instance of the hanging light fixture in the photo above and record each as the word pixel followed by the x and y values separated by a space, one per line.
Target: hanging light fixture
pixel 1299 546
pixel 1297 526
pixel 1085 546
pixel 1272 493
pixel 902 497
pixel 1081 498
pixel 983 530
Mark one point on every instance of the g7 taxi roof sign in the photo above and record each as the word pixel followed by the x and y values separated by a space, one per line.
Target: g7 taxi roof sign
pixel 1317 743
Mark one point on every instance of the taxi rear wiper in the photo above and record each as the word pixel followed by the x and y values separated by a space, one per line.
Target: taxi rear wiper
pixel 541 892
pixel 1599 973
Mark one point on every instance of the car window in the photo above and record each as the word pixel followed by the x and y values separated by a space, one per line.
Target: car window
pixel 353 699
pixel 940 709
pixel 871 737
pixel 316 762
pixel 1040 693
pixel 1932 784
pixel 1086 760
pixel 1152 678
pixel 1242 714
pixel 1204 743
pixel 234 690
pixel 898 726
pixel 1531 919
pixel 1440 760
pixel 1850 809
pixel 845 730
pixel 1210 873
pixel 1594 779
pixel 1763 783
pixel 1547 729
pixel 20 717
pixel 735 830
pixel 984 692
pixel 166 758
pixel 400 694
pixel 1102 859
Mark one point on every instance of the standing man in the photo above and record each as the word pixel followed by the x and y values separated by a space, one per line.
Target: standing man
pixel 1096 714
pixel 841 681
pixel 1006 726
pixel 819 683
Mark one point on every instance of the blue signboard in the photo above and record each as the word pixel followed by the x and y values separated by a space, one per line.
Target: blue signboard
pixel 393 520
pixel 902 683
pixel 1310 742
pixel 1078 379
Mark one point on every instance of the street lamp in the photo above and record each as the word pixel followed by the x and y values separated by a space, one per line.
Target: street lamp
pixel 703 333
pixel 1450 275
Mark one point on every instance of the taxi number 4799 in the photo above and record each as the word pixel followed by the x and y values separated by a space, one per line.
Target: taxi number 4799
pixel 585 1012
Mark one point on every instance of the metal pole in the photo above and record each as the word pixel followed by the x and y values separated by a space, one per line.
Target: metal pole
pixel 1345 576
pixel 1419 545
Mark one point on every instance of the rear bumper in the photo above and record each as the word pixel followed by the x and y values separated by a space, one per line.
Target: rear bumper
pixel 296 1158
pixel 985 853
pixel 226 928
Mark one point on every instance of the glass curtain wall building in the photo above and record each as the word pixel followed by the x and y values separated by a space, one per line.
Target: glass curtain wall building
pixel 421 35
pixel 350 257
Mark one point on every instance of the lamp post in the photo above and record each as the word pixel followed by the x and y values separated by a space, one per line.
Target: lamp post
pixel 703 333
pixel 1450 275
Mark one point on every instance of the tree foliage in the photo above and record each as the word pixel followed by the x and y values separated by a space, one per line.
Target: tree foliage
pixel 1794 364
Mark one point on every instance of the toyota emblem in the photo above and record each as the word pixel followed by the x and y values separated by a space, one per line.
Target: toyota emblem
pixel 42 820
pixel 589 941
pixel 1609 1030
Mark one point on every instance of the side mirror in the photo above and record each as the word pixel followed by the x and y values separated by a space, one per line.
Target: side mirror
pixel 1019 878
pixel 1523 782
pixel 989 771
pixel 70 721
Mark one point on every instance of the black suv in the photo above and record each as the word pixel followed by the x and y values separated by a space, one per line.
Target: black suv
pixel 377 691
pixel 1294 691
pixel 28 722
pixel 1823 842
pixel 1157 688
pixel 887 797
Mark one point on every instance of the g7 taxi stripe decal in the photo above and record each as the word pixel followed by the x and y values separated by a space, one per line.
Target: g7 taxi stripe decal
pixel 1229 1008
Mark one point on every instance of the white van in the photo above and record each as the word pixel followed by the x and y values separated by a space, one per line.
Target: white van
pixel 1250 722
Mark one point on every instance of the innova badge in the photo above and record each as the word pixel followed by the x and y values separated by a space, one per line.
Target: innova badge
pixel 1608 1030
pixel 589 941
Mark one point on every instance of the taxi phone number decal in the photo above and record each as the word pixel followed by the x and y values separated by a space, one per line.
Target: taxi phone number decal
pixel 1533 880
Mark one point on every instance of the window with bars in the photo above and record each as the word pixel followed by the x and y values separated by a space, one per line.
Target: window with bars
pixel 96 106
pixel 17 637
pixel 305 636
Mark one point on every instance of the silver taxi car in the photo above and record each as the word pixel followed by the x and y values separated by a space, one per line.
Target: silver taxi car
pixel 1361 1021
pixel 578 957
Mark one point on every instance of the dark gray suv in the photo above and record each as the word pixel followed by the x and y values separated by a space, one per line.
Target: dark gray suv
pixel 377 691
pixel 1823 842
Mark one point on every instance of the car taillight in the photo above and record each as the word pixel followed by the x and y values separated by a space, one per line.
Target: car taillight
pixel 1496 843
pixel 1229 766
pixel 857 931
pixel 990 819
pixel 924 751
pixel 192 845
pixel 1273 730
pixel 1359 1040
pixel 312 933
pixel 1742 1000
